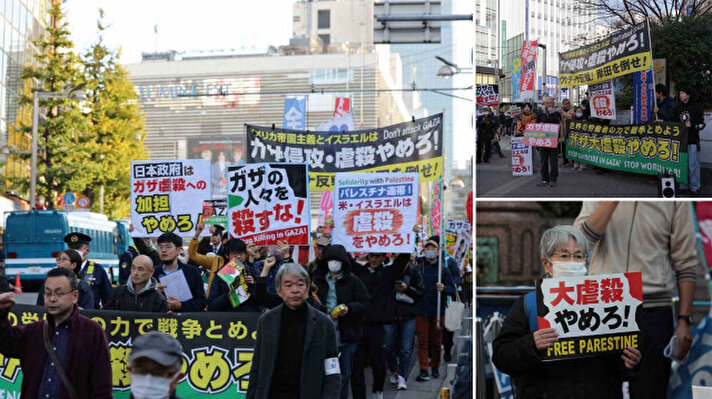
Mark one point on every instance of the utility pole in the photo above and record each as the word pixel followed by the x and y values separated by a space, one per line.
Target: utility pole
pixel 543 78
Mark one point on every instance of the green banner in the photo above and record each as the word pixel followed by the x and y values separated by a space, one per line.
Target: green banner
pixel 650 148
pixel 217 349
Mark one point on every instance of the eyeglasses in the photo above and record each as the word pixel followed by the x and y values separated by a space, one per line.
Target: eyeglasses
pixel 162 247
pixel 58 294
pixel 62 259
pixel 578 256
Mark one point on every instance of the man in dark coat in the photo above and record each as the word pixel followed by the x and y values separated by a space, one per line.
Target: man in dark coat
pixel 296 355
pixel 337 285
pixel 140 293
pixel 665 106
pixel 549 156
pixel 90 271
pixel 689 113
pixel 79 341
pixel 486 129
pixel 169 247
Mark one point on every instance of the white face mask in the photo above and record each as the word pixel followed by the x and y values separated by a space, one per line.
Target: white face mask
pixel 568 269
pixel 334 266
pixel 579 115
pixel 146 386
pixel 431 254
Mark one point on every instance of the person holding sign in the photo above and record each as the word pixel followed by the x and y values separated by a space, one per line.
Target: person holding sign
pixel 519 349
pixel 182 283
pixel 657 239
pixel 549 156
pixel 690 114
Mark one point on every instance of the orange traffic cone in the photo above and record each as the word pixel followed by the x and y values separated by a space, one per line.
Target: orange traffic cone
pixel 18 286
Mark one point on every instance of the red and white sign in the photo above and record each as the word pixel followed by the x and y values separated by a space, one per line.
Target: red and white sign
pixel 526 83
pixel 521 158
pixel 542 135
pixel 83 202
pixel 704 222
pixel 375 212
pixel 602 100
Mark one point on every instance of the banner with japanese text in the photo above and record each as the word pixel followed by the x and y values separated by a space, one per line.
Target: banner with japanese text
pixel 268 202
pixel 648 149
pixel 643 96
pixel 453 228
pixel 221 151
pixel 436 209
pixel 528 67
pixel 541 135
pixel 215 212
pixel 516 78
pixel 375 212
pixel 603 102
pixel 521 158
pixel 168 196
pixel 487 95
pixel 623 52
pixel 414 146
pixel 217 349
pixel 593 315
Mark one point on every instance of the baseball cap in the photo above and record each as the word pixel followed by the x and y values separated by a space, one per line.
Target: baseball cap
pixel 157 346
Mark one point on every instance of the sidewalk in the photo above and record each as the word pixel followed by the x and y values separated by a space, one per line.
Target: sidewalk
pixel 494 179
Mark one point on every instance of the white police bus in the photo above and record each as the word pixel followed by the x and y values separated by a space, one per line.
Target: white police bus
pixel 33 240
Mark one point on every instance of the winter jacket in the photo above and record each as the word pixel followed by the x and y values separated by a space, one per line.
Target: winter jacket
pixel 429 305
pixel 667 110
pixel 195 283
pixel 655 238
pixel 147 300
pixel 549 117
pixel 386 308
pixel 526 119
pixel 692 112
pixel 219 300
pixel 514 353
pixel 486 131
pixel 373 280
pixel 350 291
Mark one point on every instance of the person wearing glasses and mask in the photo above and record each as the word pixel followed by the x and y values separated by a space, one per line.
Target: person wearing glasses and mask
pixel 71 260
pixel 67 352
pixel 517 351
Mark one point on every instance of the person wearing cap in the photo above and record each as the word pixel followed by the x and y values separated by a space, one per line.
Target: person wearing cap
pixel 140 294
pixel 71 260
pixel 426 322
pixel 77 341
pixel 689 113
pixel 320 245
pixel 91 272
pixel 295 352
pixel 155 366
pixel 170 246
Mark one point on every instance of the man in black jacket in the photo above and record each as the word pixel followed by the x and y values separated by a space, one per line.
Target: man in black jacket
pixel 140 293
pixel 689 112
pixel 665 106
pixel 549 156
pixel 346 299
pixel 403 289
pixel 169 247
pixel 371 345
pixel 486 129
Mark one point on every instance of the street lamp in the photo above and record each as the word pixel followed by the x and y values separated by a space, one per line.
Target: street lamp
pixel 450 69
pixel 75 93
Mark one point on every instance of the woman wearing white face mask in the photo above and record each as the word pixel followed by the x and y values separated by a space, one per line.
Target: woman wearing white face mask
pixel 517 351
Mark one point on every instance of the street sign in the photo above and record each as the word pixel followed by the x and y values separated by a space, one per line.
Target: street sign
pixel 407 29
pixel 83 202
pixel 69 198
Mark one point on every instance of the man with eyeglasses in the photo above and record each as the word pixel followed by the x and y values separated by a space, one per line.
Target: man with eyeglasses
pixel 657 239
pixel 77 342
pixel 155 366
pixel 169 247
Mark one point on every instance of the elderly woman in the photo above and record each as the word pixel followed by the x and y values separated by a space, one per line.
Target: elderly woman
pixel 517 351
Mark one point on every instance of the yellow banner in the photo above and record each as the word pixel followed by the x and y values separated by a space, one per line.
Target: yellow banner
pixel 622 66
pixel 430 170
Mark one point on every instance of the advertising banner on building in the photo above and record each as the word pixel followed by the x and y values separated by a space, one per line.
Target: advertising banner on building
pixel 168 196
pixel 405 147
pixel 220 150
pixel 621 53
pixel 516 78
pixel 268 202
pixel 593 315
pixel 487 95
pixel 643 96
pixel 602 100
pixel 521 158
pixel 541 135
pixel 215 212
pixel 375 212
pixel 295 113
pixel 217 349
pixel 528 66
pixel 648 149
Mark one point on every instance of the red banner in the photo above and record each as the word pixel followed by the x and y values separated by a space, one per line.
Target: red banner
pixel 526 83
pixel 542 135
pixel 704 222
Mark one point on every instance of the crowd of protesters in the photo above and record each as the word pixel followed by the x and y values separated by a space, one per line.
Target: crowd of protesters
pixel 372 306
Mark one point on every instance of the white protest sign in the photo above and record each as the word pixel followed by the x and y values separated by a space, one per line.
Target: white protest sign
pixel 591 314
pixel 375 212
pixel 603 102
pixel 167 196
pixel 268 202
pixel 521 157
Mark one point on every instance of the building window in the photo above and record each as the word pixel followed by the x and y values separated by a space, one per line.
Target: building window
pixel 296 18
pixel 324 19
pixel 325 39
